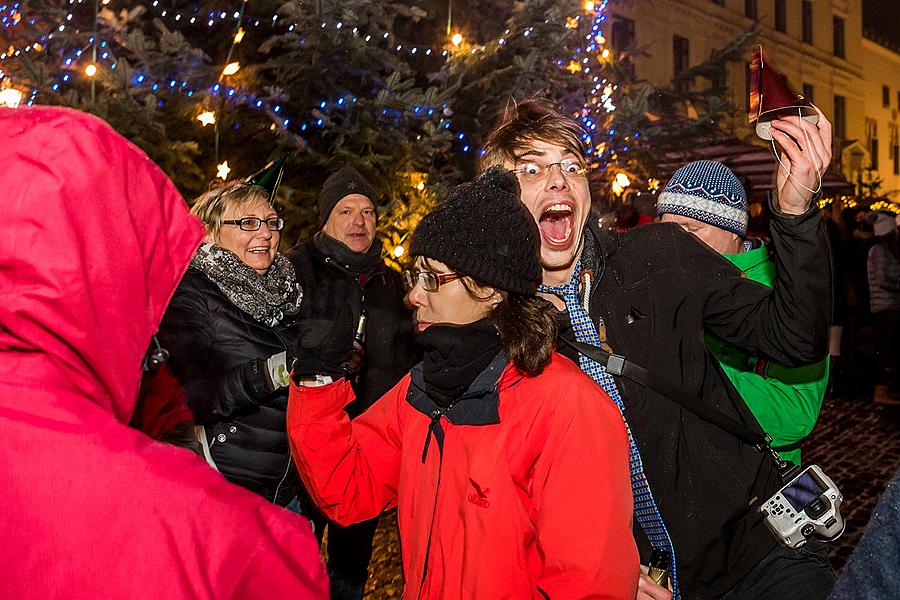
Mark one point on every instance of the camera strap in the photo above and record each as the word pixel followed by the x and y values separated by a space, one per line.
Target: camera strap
pixel 618 365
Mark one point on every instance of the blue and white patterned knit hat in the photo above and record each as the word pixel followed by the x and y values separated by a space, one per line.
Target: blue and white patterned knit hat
pixel 707 191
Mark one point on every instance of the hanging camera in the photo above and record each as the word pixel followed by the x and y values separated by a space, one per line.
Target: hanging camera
pixel 808 506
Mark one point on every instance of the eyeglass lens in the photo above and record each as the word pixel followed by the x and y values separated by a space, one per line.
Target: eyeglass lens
pixel 254 223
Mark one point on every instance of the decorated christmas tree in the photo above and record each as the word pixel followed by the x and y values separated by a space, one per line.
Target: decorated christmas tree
pixel 402 91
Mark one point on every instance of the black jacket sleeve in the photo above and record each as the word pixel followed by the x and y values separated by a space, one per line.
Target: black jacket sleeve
pixel 214 391
pixel 788 323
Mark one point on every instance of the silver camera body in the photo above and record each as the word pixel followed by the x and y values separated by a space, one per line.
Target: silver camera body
pixel 809 505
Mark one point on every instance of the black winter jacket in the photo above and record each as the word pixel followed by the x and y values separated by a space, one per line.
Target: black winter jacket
pixel 658 288
pixel 330 285
pixel 216 353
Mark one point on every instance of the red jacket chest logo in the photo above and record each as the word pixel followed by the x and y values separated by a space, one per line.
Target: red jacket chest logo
pixel 479 496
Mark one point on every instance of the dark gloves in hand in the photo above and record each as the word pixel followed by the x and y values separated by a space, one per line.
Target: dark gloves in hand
pixel 325 347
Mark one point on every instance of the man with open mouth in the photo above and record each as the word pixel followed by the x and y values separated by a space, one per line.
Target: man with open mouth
pixel 649 295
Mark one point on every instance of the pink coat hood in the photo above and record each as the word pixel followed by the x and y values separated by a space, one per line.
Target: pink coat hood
pixel 96 239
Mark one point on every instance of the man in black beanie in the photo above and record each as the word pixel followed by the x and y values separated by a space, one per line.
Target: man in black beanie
pixel 341 269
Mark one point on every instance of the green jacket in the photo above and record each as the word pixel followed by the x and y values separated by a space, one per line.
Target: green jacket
pixel 785 401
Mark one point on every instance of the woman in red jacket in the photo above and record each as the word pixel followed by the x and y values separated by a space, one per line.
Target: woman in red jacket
pixel 508 466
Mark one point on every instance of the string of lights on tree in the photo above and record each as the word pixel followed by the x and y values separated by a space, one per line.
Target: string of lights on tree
pixel 586 61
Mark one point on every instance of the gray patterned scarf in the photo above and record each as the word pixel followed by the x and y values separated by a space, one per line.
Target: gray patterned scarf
pixel 267 298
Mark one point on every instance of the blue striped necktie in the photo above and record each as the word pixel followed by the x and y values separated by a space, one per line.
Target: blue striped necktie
pixel 645 509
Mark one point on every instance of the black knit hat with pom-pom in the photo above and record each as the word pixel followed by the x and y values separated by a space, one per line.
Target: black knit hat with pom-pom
pixel 484 231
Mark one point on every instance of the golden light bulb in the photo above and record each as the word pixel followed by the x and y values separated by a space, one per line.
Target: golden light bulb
pixel 420 186
pixel 398 251
pixel 239 35
pixel 573 67
pixel 231 68
pixel 622 180
pixel 605 54
pixel 457 39
pixel 617 189
pixel 571 22
pixel 588 5
pixel 207 117
pixel 90 70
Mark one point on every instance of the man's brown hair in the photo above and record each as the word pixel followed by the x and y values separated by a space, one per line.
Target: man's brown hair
pixel 522 123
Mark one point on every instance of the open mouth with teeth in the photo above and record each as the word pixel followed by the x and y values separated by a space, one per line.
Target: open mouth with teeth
pixel 259 250
pixel 556 225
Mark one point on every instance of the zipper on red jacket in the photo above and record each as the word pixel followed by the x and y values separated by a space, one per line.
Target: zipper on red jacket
pixel 435 424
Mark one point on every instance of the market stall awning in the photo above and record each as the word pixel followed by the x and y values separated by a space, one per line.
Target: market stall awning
pixel 754 164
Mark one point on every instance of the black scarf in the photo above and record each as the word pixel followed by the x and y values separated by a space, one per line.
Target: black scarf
pixel 267 298
pixel 454 355
pixel 355 262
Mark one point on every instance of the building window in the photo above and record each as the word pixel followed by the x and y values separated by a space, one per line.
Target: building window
pixel 895 149
pixel 750 9
pixel 839 37
pixel 840 117
pixel 622 33
pixel 886 96
pixel 808 91
pixel 719 2
pixel 681 60
pixel 807 22
pixel 781 16
pixel 872 142
pixel 622 39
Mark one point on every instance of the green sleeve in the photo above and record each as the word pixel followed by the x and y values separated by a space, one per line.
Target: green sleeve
pixel 786 401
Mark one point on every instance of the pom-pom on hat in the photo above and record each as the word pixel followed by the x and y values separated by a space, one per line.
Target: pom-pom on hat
pixel 707 191
pixel 484 231
pixel 341 183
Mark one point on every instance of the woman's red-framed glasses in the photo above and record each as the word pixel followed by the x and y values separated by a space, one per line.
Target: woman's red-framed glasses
pixel 429 280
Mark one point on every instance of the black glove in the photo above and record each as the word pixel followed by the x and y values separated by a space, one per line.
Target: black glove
pixel 325 347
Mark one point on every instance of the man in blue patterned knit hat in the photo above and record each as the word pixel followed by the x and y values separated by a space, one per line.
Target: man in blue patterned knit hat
pixel 648 295
pixel 705 198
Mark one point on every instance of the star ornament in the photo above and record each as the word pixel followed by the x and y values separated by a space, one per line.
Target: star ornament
pixel 207 117
pixel 222 170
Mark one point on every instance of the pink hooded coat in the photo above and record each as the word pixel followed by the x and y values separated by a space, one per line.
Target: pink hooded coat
pixel 95 240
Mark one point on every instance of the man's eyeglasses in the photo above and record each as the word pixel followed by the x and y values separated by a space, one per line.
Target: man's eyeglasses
pixel 534 171
pixel 254 223
pixel 429 280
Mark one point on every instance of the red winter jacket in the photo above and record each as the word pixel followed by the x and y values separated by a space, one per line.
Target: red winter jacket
pixel 530 496
pixel 95 240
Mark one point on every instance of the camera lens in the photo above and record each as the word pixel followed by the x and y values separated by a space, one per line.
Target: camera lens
pixel 807 530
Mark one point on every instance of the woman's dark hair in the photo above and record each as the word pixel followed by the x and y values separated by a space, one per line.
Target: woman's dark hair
pixel 526 325
pixel 527 328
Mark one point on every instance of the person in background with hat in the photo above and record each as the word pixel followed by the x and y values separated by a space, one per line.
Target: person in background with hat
pixel 785 400
pixel 883 268
pixel 482 446
pixel 341 269
pixel 229 328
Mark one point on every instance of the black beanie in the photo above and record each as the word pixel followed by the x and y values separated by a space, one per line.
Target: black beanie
pixel 342 183
pixel 484 231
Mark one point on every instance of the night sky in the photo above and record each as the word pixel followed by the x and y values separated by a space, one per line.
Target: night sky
pixel 882 17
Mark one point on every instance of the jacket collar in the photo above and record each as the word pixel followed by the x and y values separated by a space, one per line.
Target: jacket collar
pixel 479 405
